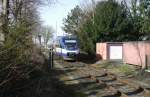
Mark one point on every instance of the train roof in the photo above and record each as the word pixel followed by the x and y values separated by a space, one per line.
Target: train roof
pixel 66 37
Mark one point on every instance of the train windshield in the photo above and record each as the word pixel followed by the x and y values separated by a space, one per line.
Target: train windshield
pixel 71 44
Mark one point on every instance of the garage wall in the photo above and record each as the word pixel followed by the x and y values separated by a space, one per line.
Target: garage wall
pixel 147 53
pixel 109 50
pixel 134 53
pixel 101 51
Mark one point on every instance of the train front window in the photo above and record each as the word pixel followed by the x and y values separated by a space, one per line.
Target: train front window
pixel 70 44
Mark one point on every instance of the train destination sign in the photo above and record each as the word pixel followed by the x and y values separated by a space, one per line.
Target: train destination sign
pixel 70 41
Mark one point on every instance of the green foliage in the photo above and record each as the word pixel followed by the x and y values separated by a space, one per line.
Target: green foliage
pixel 73 20
pixel 86 37
pixel 21 62
pixel 144 9
pixel 109 21
pixel 15 62
pixel 21 41
pixel 140 12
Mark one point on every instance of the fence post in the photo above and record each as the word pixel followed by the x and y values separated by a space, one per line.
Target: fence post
pixel 146 63
pixel 51 59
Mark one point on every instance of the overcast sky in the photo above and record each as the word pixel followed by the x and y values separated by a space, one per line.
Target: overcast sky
pixel 53 15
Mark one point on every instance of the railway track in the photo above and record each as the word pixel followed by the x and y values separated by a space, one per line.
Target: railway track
pixel 113 85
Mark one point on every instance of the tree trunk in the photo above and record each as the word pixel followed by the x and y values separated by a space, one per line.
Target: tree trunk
pixel 5 13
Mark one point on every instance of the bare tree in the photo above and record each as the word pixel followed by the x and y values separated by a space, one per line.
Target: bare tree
pixel 47 34
pixel 4 15
pixel 19 20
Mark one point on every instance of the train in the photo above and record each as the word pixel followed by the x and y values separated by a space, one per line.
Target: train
pixel 67 47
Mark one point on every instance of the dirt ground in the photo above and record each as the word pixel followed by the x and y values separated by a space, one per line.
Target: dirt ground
pixel 131 72
pixel 89 88
pixel 64 80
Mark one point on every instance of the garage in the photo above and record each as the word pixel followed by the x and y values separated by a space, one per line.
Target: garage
pixel 115 52
pixel 109 51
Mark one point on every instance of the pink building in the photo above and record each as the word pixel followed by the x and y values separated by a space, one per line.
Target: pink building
pixel 109 51
pixel 136 53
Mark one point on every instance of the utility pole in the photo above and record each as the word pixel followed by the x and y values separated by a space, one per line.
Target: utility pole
pixel 56 28
pixel 40 42
pixel 51 58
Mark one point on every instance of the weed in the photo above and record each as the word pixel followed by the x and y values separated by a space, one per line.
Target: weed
pixel 124 68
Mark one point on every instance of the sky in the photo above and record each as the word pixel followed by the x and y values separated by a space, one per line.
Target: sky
pixel 54 14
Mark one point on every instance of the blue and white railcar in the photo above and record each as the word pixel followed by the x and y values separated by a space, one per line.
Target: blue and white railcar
pixel 67 47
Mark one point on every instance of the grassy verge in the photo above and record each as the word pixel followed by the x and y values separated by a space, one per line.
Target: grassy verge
pixel 116 67
pixel 124 68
